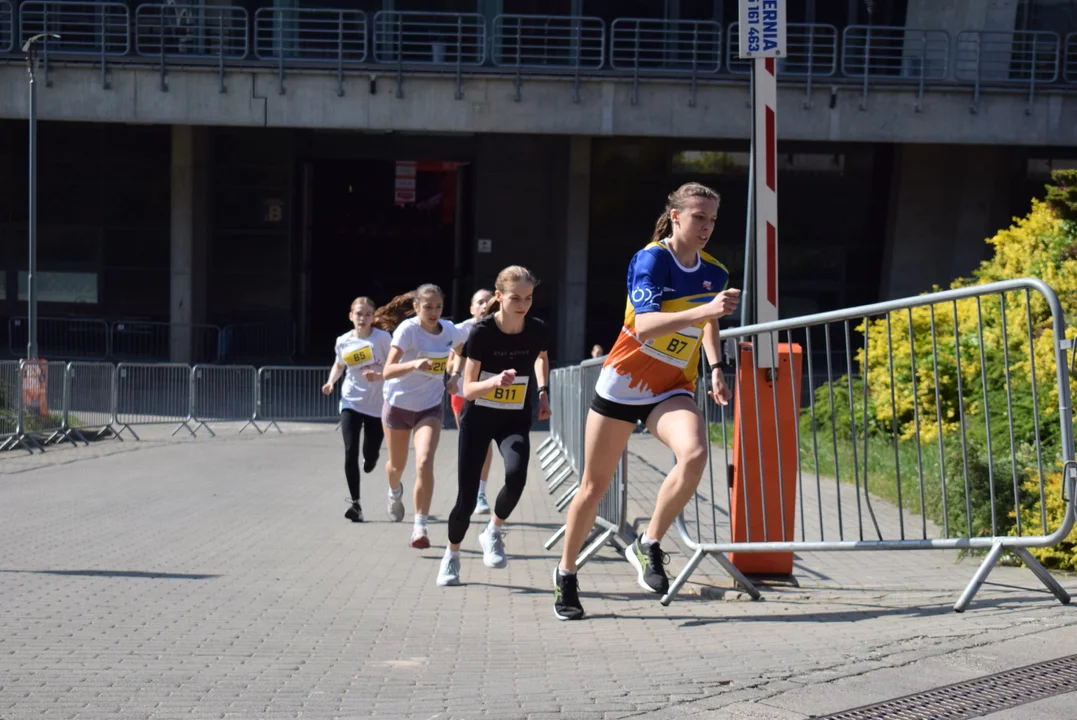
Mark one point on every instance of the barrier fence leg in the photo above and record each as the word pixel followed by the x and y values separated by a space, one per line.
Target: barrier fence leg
pixel 251 423
pixel 594 547
pixel 273 424
pixel 201 424
pixel 559 480
pixel 74 434
pixel 978 579
pixel 131 430
pixel 1043 574
pixel 556 536
pixel 185 424
pixel 565 499
pixel 682 577
pixel 545 444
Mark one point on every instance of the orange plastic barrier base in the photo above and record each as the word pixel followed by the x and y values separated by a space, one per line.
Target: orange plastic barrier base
pixel 779 491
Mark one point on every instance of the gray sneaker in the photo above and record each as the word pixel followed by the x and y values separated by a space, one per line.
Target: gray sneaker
pixel 493 549
pixel 449 574
pixel 396 505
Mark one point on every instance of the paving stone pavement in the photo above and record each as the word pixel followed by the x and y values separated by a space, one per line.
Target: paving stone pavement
pixel 218 578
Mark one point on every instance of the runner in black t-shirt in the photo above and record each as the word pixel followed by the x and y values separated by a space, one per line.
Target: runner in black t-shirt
pixel 506 366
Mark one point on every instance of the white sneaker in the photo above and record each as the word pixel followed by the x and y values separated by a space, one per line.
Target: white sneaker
pixel 396 505
pixel 493 549
pixel 482 507
pixel 449 574
pixel 420 538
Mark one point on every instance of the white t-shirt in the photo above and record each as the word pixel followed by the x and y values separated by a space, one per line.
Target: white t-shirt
pixel 466 327
pixel 357 354
pixel 422 390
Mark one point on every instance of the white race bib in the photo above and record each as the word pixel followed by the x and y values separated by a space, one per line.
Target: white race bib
pixel 358 356
pixel 676 348
pixel 504 398
pixel 439 362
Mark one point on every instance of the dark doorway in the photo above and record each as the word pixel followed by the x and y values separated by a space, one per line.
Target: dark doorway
pixel 379 228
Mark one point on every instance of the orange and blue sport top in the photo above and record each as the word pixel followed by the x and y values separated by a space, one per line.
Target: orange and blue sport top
pixel 638 373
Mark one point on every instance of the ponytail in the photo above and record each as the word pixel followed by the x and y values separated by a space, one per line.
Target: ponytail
pixel 661 227
pixel 491 307
pixel 390 315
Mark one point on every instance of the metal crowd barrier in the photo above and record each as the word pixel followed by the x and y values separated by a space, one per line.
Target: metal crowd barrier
pixel 562 456
pixel 7 25
pixel 45 402
pixel 294 394
pixel 1023 57
pixel 960 449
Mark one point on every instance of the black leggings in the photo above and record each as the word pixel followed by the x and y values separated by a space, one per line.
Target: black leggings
pixel 351 423
pixel 514 442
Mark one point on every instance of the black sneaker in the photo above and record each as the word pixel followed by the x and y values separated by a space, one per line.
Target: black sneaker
pixel 650 562
pixel 355 512
pixel 566 596
pixel 369 464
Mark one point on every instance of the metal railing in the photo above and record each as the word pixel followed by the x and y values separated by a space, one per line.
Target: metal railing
pixel 548 41
pixel 429 38
pixel 922 451
pixel 66 338
pixel 191 31
pixel 317 36
pixel 1022 57
pixel 562 456
pixel 1069 70
pixel 341 40
pixel 645 45
pixel 894 52
pixel 7 27
pixel 152 341
pixel 811 51
pixel 99 29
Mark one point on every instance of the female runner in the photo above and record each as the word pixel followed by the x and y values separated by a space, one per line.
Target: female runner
pixel 478 310
pixel 414 391
pixel 505 351
pixel 360 356
pixel 676 293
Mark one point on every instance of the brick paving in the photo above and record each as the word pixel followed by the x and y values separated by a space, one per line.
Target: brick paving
pixel 218 578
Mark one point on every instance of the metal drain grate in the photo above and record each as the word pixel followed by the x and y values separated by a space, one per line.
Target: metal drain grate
pixel 974 698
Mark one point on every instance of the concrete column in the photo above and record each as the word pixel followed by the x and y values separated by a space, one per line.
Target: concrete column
pixel 572 304
pixel 945 201
pixel 190 230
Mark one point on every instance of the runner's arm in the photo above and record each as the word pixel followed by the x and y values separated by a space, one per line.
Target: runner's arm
pixel 473 389
pixel 394 368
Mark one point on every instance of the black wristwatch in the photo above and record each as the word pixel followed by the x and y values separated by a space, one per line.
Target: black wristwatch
pixel 544 389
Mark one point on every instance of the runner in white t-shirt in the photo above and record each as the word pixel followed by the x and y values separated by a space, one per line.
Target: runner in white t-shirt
pixel 360 355
pixel 414 391
pixel 456 363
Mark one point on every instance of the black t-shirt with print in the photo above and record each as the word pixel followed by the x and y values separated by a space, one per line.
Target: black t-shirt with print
pixel 497 351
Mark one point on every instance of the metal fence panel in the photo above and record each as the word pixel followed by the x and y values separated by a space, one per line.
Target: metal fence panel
pixel 60 338
pixel 811 51
pixel 224 393
pixel 10 400
pixel 549 41
pixel 153 394
pixel 143 341
pixel 191 31
pixel 89 402
pixel 429 38
pixel 1023 56
pixel 98 28
pixel 895 52
pixel 666 46
pixel 321 36
pixel 295 394
pixel 950 387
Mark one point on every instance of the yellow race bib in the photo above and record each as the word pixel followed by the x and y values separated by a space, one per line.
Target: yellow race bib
pixel 439 362
pixel 359 357
pixel 676 348
pixel 512 397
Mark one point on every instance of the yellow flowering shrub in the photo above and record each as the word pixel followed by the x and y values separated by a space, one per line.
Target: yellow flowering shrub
pixel 1062 556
